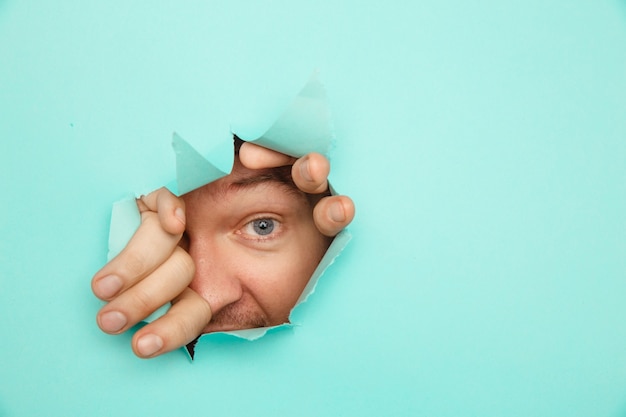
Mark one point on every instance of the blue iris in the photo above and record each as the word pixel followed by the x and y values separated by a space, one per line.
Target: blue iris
pixel 263 227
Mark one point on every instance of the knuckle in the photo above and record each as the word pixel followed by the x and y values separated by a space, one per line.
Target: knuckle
pixel 186 329
pixel 133 265
pixel 182 264
pixel 191 326
pixel 150 220
pixel 191 312
pixel 143 302
pixel 204 310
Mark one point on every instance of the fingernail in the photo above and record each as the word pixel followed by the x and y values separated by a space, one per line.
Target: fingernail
pixel 336 213
pixel 113 321
pixel 180 214
pixel 149 344
pixel 108 286
pixel 304 170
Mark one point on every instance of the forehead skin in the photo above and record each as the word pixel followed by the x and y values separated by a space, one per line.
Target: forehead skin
pixel 251 281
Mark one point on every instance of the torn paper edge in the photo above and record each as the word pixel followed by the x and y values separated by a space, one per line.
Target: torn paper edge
pixel 304 127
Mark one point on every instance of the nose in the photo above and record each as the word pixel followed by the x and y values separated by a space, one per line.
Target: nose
pixel 215 279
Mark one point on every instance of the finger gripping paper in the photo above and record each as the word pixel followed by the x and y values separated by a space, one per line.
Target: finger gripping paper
pixel 304 127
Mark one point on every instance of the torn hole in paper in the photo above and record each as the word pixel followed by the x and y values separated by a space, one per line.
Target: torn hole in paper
pixel 250 233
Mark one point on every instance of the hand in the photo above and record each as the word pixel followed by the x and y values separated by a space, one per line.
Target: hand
pixel 310 174
pixel 151 271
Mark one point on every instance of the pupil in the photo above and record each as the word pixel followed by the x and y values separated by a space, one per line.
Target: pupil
pixel 263 227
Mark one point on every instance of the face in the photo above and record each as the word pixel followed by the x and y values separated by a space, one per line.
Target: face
pixel 254 243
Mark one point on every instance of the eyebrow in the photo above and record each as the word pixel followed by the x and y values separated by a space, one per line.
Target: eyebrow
pixel 278 176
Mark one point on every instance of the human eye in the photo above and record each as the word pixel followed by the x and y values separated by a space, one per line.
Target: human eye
pixel 260 229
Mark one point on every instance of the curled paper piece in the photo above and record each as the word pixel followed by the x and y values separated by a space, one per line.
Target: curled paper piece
pixel 304 127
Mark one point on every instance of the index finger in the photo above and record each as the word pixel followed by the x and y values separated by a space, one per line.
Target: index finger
pixel 149 247
pixel 162 225
pixel 257 157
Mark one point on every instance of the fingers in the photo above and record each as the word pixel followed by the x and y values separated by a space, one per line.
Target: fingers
pixel 151 271
pixel 149 247
pixel 333 213
pixel 164 284
pixel 257 157
pixel 310 173
pixel 182 323
pixel 170 209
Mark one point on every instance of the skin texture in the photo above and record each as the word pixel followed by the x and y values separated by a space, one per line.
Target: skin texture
pixel 205 253
pixel 259 273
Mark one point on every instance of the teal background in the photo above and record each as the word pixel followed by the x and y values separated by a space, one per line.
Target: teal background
pixel 484 144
